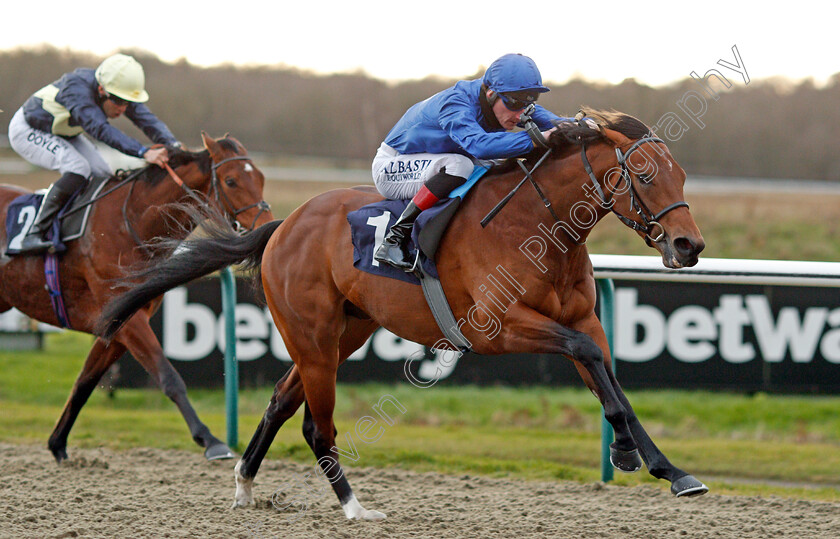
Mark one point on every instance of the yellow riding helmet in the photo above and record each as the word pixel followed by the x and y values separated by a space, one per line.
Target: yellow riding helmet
pixel 123 76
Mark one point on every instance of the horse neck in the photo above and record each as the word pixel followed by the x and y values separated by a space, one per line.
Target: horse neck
pixel 577 202
pixel 150 207
pixel 568 188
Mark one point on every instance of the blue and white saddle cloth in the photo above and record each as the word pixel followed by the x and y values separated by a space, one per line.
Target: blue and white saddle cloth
pixel 369 224
pixel 69 225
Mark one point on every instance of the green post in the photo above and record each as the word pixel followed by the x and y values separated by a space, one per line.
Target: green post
pixel 606 291
pixel 231 366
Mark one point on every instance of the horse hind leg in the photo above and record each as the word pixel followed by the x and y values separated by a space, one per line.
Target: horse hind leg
pixel 141 341
pixel 287 398
pixel 320 432
pixel 100 358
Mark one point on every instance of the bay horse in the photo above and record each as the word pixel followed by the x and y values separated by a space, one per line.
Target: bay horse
pixel 325 308
pixel 120 222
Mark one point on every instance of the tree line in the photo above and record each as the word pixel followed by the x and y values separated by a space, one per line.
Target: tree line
pixel 767 128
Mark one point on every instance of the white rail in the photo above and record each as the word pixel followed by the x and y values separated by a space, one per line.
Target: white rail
pixel 719 270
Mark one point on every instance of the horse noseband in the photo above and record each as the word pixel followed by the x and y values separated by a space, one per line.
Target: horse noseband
pixel 262 205
pixel 650 220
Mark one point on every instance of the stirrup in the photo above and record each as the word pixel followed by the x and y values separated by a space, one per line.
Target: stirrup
pixel 401 263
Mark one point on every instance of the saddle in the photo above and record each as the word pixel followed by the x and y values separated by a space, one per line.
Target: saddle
pixel 368 226
pixel 70 224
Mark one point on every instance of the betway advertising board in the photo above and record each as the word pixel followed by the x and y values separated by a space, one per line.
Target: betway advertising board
pixel 668 335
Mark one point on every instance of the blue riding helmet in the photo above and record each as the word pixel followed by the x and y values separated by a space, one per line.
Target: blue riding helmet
pixel 514 73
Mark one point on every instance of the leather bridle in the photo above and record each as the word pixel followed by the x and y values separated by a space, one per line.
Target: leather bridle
pixel 650 220
pixel 224 201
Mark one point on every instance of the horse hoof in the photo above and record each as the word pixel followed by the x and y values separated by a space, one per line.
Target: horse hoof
pixel 625 461
pixel 60 455
pixel 688 486
pixel 240 504
pixel 243 496
pixel 353 510
pixel 218 451
pixel 370 514
pixel 367 514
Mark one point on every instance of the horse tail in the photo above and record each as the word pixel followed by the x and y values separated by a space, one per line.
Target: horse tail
pixel 194 258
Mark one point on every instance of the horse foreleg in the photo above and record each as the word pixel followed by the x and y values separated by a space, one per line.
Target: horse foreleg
pixel 527 330
pixel 141 341
pixel 287 398
pixel 590 363
pixel 319 431
pixel 100 358
pixel 682 483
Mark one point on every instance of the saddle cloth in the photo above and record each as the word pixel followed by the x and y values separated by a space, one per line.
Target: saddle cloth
pixel 369 224
pixel 69 225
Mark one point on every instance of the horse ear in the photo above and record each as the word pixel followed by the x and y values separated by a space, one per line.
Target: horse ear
pixel 209 143
pixel 617 138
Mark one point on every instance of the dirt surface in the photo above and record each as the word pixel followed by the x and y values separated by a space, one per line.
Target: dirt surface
pixel 151 493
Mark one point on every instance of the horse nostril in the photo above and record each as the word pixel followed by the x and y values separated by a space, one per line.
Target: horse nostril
pixel 686 247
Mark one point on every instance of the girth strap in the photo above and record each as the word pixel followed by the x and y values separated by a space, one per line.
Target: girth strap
pixel 54 289
pixel 442 312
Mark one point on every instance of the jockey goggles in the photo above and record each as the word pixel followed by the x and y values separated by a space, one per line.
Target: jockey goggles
pixel 118 101
pixel 516 101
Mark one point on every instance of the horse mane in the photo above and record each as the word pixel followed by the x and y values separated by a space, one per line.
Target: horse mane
pixel 570 135
pixel 576 133
pixel 627 125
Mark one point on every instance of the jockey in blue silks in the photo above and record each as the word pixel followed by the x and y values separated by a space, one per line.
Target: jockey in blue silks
pixel 433 148
pixel 47 131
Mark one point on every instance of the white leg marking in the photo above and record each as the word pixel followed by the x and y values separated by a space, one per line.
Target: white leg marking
pixel 243 496
pixel 354 510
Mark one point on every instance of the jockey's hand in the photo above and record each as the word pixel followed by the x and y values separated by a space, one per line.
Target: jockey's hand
pixel 157 156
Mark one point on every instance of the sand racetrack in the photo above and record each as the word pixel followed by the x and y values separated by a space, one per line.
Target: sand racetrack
pixel 151 493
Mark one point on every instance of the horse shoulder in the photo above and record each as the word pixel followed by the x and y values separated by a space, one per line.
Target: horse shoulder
pixel 577 292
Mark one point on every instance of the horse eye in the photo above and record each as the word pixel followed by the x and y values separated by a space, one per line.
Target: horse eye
pixel 230 181
pixel 645 178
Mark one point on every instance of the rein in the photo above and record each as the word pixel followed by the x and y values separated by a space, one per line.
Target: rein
pixel 134 235
pixel 539 142
pixel 228 206
pixel 502 203
pixel 650 220
pixel 218 193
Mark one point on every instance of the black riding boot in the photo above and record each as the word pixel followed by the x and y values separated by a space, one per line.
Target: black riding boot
pixel 35 241
pixel 394 248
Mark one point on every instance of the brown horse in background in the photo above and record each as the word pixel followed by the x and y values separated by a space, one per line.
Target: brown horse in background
pixel 325 308
pixel 120 223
